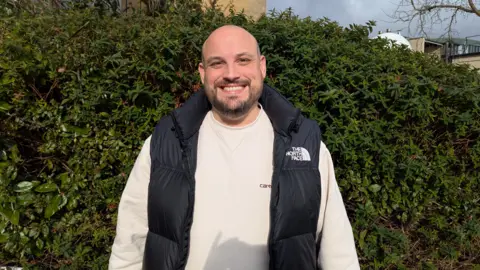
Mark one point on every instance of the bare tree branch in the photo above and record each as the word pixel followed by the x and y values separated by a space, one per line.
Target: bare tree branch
pixel 428 8
pixel 435 13
pixel 474 7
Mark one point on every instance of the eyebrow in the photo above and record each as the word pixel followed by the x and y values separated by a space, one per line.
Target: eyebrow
pixel 245 54
pixel 213 58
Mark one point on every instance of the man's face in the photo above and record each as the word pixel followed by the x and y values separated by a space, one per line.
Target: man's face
pixel 232 72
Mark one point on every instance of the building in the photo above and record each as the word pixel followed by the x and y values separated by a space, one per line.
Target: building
pixel 454 50
pixel 253 8
pixel 426 46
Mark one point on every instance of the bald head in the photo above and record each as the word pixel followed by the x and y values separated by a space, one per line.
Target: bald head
pixel 229 34
pixel 232 72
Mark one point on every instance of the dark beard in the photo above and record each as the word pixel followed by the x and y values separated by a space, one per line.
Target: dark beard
pixel 241 109
pixel 238 112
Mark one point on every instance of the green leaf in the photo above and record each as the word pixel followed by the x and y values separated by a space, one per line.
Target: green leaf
pixel 56 203
pixel 75 130
pixel 375 188
pixel 14 155
pixel 47 187
pixel 45 230
pixel 63 177
pixel 3 238
pixel 34 233
pixel 36 183
pixel 12 216
pixel 6 213
pixel 25 199
pixel 4 106
pixel 3 165
pixel 13 175
pixel 39 243
pixel 10 174
pixel 3 180
pixel 15 218
pixel 10 246
pixel 50 164
pixel 63 202
pixel 72 204
pixel 23 186
pixel 361 240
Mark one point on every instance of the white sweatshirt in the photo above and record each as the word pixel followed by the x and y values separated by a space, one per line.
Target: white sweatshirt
pixel 232 197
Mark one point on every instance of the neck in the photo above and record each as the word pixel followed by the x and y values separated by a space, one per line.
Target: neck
pixel 241 121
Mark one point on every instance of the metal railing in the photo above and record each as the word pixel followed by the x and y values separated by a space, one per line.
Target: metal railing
pixel 471 48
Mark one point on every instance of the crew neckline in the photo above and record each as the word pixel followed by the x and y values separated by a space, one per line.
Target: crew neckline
pixel 237 128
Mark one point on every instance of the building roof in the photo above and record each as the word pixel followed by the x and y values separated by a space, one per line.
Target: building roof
pixel 430 41
pixel 434 42
pixel 457 41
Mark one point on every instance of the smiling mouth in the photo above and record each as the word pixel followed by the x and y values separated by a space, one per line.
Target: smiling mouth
pixel 233 88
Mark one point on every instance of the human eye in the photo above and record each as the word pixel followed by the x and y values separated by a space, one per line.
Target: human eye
pixel 244 60
pixel 215 64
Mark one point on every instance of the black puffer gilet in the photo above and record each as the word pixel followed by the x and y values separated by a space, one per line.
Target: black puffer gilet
pixel 295 194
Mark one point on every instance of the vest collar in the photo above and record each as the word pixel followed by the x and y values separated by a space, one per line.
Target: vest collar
pixel 283 115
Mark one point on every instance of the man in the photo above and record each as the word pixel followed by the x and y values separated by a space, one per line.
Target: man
pixel 236 178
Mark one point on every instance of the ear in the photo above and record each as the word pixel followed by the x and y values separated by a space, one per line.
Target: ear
pixel 201 70
pixel 263 66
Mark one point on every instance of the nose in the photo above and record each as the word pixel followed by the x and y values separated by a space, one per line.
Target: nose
pixel 231 73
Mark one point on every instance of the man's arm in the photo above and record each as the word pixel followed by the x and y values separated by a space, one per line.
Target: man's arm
pixel 337 248
pixel 132 221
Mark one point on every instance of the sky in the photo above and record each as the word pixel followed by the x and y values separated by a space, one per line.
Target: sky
pixel 346 12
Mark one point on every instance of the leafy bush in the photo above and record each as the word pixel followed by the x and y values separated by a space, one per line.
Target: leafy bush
pixel 79 92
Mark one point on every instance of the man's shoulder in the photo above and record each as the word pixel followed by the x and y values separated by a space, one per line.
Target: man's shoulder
pixel 165 120
pixel 162 131
pixel 311 126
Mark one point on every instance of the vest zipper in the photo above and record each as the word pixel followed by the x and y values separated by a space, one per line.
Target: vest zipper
pixel 275 192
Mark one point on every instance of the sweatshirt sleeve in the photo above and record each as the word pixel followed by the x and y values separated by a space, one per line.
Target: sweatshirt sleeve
pixel 132 220
pixel 337 247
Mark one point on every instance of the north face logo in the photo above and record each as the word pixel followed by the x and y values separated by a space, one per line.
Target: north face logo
pixel 299 154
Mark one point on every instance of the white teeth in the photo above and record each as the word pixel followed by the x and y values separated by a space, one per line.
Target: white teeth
pixel 233 88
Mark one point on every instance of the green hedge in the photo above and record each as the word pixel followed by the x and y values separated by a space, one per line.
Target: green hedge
pixel 79 92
